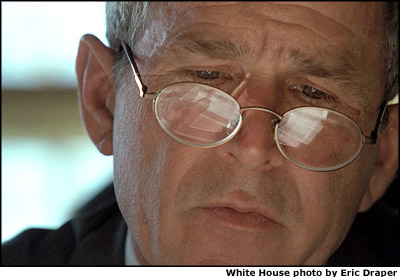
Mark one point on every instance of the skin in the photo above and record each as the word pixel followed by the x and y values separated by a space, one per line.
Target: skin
pixel 187 205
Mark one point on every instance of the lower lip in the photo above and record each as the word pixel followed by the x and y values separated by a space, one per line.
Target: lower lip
pixel 250 220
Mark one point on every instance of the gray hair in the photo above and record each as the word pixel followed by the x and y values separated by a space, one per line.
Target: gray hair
pixel 125 20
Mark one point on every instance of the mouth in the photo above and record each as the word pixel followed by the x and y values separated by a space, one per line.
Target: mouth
pixel 239 217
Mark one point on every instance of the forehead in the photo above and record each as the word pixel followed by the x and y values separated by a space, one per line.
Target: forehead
pixel 363 19
pixel 357 26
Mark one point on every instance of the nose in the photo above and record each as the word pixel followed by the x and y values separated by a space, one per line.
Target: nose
pixel 254 146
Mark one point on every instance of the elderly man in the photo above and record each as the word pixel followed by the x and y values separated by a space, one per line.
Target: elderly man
pixel 242 134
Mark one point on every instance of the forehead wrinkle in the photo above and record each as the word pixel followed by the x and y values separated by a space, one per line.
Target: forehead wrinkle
pixel 189 45
pixel 217 49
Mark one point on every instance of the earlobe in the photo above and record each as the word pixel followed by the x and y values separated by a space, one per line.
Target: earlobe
pixel 387 162
pixel 96 94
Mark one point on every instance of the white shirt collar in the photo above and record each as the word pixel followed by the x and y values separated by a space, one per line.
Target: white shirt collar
pixel 130 255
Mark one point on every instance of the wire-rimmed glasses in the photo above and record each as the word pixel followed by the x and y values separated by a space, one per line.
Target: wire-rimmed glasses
pixel 200 115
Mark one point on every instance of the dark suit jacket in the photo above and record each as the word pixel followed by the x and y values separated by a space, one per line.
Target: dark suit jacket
pixel 97 237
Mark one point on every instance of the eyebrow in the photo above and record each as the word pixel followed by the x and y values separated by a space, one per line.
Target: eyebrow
pixel 339 68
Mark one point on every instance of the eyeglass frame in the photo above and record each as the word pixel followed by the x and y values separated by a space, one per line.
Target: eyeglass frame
pixel 371 139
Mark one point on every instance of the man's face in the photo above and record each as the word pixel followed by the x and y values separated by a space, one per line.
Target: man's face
pixel 243 202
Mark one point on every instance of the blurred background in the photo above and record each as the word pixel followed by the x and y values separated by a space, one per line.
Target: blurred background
pixel 49 166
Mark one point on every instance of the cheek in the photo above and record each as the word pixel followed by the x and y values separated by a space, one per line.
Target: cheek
pixel 330 201
pixel 135 164
pixel 341 190
pixel 148 168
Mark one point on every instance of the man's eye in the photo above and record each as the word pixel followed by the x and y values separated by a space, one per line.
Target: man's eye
pixel 310 91
pixel 208 74
pixel 210 77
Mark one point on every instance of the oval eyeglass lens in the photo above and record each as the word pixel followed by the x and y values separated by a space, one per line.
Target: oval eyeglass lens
pixel 319 138
pixel 196 114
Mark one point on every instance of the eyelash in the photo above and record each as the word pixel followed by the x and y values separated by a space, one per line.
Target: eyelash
pixel 200 76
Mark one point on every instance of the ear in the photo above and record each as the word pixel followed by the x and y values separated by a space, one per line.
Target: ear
pixel 96 95
pixel 387 162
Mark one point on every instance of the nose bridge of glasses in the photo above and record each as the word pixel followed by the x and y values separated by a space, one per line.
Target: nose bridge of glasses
pixel 261 109
pixel 260 120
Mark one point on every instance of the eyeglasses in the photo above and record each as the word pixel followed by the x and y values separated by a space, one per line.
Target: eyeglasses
pixel 200 115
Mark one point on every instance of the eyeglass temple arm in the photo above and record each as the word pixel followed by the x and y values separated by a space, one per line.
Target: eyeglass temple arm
pixel 142 87
pixel 373 137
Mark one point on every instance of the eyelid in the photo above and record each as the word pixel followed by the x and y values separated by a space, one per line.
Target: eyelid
pixel 326 99
pixel 312 88
pixel 235 71
pixel 302 86
pixel 326 88
pixel 196 73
